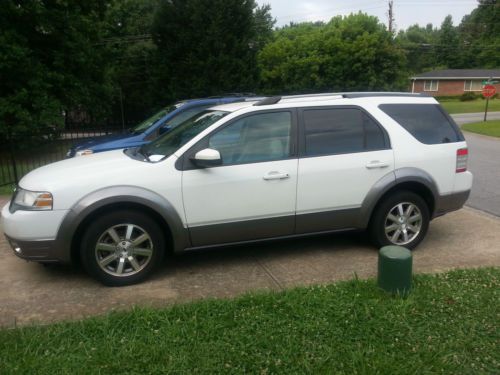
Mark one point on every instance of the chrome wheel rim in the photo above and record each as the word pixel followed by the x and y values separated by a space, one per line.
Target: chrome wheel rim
pixel 403 223
pixel 124 250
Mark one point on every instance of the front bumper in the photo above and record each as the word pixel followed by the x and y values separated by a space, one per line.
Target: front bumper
pixel 38 251
pixel 33 235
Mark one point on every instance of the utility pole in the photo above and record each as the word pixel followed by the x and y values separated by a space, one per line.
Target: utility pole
pixel 390 16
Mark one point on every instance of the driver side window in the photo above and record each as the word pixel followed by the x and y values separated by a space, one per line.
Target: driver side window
pixel 255 138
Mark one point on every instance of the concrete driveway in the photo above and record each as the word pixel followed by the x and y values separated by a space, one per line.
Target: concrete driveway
pixel 32 293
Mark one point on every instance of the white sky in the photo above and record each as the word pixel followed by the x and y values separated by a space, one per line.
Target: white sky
pixel 407 12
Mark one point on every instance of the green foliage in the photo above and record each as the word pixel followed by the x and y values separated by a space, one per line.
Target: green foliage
pixel 348 53
pixel 447 325
pixel 448 44
pixel 480 35
pixel 50 63
pixel 132 60
pixel 208 47
pixel 418 42
pixel 468 96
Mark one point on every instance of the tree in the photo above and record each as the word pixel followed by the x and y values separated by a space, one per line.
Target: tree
pixel 480 36
pixel 208 47
pixel 50 62
pixel 132 56
pixel 419 43
pixel 348 53
pixel 448 48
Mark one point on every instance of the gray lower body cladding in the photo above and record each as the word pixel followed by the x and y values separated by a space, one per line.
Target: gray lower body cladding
pixel 48 251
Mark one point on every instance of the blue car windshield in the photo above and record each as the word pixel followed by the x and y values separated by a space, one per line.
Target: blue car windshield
pixel 141 127
pixel 170 142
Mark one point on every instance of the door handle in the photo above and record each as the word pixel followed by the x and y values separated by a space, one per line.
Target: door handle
pixel 276 175
pixel 376 164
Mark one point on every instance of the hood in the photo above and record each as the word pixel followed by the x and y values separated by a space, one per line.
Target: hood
pixel 101 141
pixel 90 172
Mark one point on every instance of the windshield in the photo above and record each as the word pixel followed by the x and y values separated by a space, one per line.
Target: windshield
pixel 170 142
pixel 139 128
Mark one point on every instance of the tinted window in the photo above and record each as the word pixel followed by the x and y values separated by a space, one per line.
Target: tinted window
pixel 340 131
pixel 426 122
pixel 255 138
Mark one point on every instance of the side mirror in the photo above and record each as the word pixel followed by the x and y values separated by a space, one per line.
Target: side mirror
pixel 164 129
pixel 207 158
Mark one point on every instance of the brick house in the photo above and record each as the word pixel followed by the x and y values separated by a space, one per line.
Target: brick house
pixel 453 81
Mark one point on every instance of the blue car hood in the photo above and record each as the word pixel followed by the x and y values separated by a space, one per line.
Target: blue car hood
pixel 100 141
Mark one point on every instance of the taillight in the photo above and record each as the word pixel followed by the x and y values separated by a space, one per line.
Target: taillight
pixel 462 156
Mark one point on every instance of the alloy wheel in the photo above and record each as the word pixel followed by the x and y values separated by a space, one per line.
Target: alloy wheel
pixel 403 223
pixel 124 250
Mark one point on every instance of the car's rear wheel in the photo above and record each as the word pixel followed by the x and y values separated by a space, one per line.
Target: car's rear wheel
pixel 122 247
pixel 400 219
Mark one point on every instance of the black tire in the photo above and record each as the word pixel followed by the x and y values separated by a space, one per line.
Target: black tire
pixel 142 266
pixel 377 228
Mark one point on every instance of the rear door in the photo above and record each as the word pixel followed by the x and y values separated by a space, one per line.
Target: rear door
pixel 343 153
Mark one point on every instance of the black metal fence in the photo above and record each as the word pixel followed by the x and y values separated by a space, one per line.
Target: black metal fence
pixel 21 153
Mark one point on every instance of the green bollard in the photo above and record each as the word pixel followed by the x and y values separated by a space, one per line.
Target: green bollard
pixel 395 269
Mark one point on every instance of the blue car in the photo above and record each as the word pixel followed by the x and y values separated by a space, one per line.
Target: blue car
pixel 156 125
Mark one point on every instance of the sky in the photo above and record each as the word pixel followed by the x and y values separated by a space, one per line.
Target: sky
pixel 406 12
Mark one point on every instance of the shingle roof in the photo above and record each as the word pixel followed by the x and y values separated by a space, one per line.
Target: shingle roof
pixel 460 73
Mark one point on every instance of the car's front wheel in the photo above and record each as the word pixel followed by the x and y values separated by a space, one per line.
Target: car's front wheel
pixel 122 247
pixel 400 219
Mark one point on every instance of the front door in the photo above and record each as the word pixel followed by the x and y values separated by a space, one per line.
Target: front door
pixel 252 195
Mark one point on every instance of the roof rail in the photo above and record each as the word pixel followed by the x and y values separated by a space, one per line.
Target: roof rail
pixel 353 95
pixel 347 95
pixel 268 101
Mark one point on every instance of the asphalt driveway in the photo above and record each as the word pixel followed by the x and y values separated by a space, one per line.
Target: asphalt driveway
pixel 32 293
pixel 484 163
pixel 467 118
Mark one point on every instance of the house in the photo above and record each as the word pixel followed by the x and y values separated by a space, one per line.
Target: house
pixel 453 81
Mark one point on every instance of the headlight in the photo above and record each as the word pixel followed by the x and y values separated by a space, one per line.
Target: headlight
pixel 31 200
pixel 84 152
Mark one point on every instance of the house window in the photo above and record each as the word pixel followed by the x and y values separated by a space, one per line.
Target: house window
pixel 471 85
pixel 431 85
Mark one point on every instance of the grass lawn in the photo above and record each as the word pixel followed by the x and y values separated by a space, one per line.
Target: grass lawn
pixel 478 105
pixel 448 324
pixel 491 128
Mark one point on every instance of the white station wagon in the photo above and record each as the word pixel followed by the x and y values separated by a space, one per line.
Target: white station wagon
pixel 248 171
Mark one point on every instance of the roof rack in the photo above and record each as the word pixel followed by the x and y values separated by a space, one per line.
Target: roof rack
pixel 268 101
pixel 347 95
pixel 353 95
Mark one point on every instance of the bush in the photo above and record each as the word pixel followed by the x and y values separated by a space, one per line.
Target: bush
pixel 468 96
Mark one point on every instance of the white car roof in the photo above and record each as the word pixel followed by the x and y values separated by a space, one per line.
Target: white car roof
pixel 327 98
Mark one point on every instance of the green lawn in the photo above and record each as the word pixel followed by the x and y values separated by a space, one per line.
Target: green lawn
pixel 478 105
pixel 491 128
pixel 448 324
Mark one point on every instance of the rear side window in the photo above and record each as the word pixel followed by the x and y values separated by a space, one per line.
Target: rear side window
pixel 340 131
pixel 426 122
